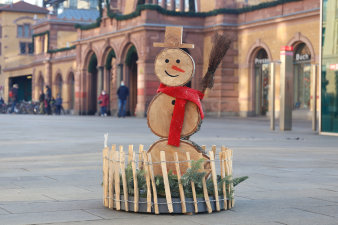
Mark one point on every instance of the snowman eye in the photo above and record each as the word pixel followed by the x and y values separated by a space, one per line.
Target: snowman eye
pixel 178 61
pixel 167 60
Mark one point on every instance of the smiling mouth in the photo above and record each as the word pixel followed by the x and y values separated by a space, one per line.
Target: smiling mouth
pixel 170 74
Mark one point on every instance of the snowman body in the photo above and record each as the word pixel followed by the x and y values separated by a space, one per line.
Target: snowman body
pixel 173 114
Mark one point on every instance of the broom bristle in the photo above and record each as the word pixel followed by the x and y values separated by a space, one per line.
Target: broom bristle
pixel 218 51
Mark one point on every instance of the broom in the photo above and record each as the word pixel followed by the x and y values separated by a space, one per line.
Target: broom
pixel 218 51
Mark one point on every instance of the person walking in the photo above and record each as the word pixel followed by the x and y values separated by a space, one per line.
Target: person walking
pixel 103 101
pixel 48 98
pixel 42 102
pixel 14 96
pixel 122 93
pixel 58 104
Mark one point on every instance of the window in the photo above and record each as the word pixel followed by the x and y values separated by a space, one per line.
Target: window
pixel 22 48
pixel 0 31
pixel 27 30
pixel 20 31
pixel 26 48
pixel 0 69
pixel 73 4
pixel 93 4
pixel 24 30
pixel 0 48
pixel 30 48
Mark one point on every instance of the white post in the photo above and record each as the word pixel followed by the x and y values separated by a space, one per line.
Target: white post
pixel 272 96
pixel 314 97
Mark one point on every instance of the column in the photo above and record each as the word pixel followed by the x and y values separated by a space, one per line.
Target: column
pixel 172 5
pixel 286 88
pixel 182 5
pixel 164 4
pixel 141 83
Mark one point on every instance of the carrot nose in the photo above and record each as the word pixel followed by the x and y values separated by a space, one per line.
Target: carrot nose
pixel 177 69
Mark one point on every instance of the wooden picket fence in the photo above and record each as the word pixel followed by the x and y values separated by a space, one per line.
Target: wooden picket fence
pixel 114 166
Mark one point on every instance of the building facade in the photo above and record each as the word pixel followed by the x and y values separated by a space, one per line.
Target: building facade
pixel 329 68
pixel 16 47
pixel 119 46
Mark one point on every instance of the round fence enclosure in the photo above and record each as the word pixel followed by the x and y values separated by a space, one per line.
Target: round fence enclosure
pixel 129 182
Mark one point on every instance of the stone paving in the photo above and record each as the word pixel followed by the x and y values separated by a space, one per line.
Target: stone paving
pixel 50 171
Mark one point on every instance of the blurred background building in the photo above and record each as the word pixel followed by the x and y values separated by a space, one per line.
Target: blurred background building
pixel 80 50
pixel 329 67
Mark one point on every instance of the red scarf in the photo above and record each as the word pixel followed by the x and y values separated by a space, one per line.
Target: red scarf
pixel 182 95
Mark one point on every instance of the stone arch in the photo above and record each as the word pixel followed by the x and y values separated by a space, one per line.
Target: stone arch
pixel 70 90
pixel 40 83
pixel 86 56
pixel 91 74
pixel 255 48
pixel 299 38
pixel 130 75
pixel 252 53
pixel 58 84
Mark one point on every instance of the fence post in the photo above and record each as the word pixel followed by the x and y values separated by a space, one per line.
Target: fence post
pixel 193 190
pixel 180 186
pixel 214 178
pixel 151 170
pixel 124 180
pixel 166 182
pixel 111 177
pixel 146 169
pixel 105 176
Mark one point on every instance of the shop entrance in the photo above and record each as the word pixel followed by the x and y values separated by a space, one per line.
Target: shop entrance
pixel 261 77
pixel 25 87
pixel 302 78
pixel 131 60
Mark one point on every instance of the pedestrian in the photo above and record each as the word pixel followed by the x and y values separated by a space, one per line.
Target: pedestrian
pixel 48 98
pixel 58 104
pixel 103 101
pixel 13 94
pixel 122 93
pixel 42 99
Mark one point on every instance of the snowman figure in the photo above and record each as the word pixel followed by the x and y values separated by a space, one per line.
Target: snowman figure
pixel 175 113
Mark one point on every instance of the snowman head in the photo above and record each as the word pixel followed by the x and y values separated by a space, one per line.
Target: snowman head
pixel 173 66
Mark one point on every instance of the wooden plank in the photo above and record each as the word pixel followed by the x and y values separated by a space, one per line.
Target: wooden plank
pixel 193 190
pixel 117 180
pixel 230 172
pixel 222 158
pixel 206 195
pixel 140 157
pixel 130 153
pixel 227 173
pixel 213 149
pixel 180 186
pixel 124 180
pixel 152 177
pixel 214 178
pixel 146 169
pixel 105 181
pixel 166 182
pixel 111 177
pixel 136 191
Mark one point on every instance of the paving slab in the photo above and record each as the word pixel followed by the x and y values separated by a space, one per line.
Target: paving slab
pixel 51 171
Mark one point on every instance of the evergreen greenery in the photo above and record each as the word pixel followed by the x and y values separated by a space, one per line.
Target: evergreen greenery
pixel 131 55
pixel 192 175
pixel 92 64
pixel 110 56
pixel 61 49
pixel 140 7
